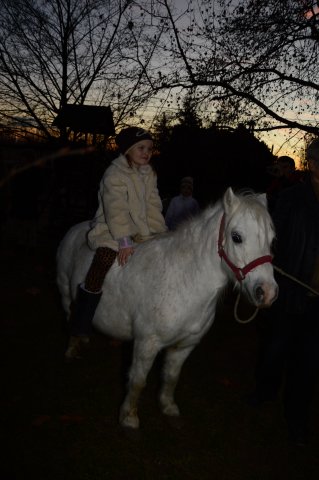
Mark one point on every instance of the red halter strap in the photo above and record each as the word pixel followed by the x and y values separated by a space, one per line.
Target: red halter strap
pixel 240 273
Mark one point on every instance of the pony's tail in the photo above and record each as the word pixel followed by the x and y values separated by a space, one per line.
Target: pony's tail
pixel 69 275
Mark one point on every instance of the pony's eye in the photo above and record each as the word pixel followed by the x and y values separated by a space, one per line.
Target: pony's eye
pixel 236 237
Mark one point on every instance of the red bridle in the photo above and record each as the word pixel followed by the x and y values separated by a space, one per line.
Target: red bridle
pixel 240 273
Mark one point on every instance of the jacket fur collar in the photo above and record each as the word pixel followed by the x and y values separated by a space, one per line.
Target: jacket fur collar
pixel 122 164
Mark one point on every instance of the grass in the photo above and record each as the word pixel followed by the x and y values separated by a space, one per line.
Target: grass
pixel 59 421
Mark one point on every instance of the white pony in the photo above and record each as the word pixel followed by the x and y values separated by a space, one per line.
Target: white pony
pixel 165 296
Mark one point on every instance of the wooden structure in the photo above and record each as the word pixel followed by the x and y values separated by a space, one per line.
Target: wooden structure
pixel 86 119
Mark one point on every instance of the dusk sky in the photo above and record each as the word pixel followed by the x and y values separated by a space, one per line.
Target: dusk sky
pixel 281 141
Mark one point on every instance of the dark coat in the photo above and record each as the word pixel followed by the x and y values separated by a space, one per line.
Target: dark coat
pixel 296 218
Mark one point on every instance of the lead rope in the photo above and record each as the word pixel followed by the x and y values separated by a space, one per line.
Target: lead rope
pixel 282 272
pixel 236 307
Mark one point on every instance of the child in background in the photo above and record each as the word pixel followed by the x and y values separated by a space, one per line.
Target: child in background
pixel 182 206
pixel 284 175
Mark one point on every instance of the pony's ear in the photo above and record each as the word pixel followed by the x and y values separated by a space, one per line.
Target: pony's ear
pixel 230 201
pixel 262 198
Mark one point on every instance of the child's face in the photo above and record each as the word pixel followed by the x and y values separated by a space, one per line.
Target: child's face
pixel 186 190
pixel 140 154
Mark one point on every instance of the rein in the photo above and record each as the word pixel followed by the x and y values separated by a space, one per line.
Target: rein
pixel 282 272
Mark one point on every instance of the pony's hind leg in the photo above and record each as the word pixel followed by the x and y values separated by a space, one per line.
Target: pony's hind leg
pixel 144 354
pixel 173 362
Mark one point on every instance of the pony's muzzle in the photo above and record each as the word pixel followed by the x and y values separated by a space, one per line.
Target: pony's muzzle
pixel 265 295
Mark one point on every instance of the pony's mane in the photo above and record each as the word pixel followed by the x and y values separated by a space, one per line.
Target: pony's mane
pixel 197 230
pixel 200 228
pixel 250 201
pixel 197 237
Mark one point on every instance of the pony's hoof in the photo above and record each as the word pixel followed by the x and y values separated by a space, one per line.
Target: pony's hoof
pixel 76 346
pixel 130 421
pixel 171 410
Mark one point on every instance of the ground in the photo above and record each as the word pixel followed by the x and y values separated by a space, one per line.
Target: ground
pixel 60 421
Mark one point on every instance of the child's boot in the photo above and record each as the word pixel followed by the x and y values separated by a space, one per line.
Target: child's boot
pixel 81 322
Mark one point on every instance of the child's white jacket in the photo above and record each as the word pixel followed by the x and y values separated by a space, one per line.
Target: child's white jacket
pixel 129 205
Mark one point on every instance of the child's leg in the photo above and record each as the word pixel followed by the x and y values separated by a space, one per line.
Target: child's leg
pixel 103 260
pixel 87 300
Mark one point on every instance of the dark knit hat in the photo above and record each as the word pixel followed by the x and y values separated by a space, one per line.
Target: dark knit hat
pixel 130 136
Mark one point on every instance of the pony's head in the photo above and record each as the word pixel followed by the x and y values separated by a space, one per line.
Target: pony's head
pixel 245 237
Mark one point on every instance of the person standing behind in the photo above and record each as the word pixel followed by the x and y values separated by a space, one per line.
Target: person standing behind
pixel 289 332
pixel 285 175
pixel 129 212
pixel 182 206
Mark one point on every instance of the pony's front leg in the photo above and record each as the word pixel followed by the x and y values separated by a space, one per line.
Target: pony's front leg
pixel 144 354
pixel 174 360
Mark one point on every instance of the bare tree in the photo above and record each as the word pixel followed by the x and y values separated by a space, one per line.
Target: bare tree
pixel 251 61
pixel 274 49
pixel 69 51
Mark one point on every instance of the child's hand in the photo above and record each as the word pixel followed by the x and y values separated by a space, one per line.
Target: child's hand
pixel 124 254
